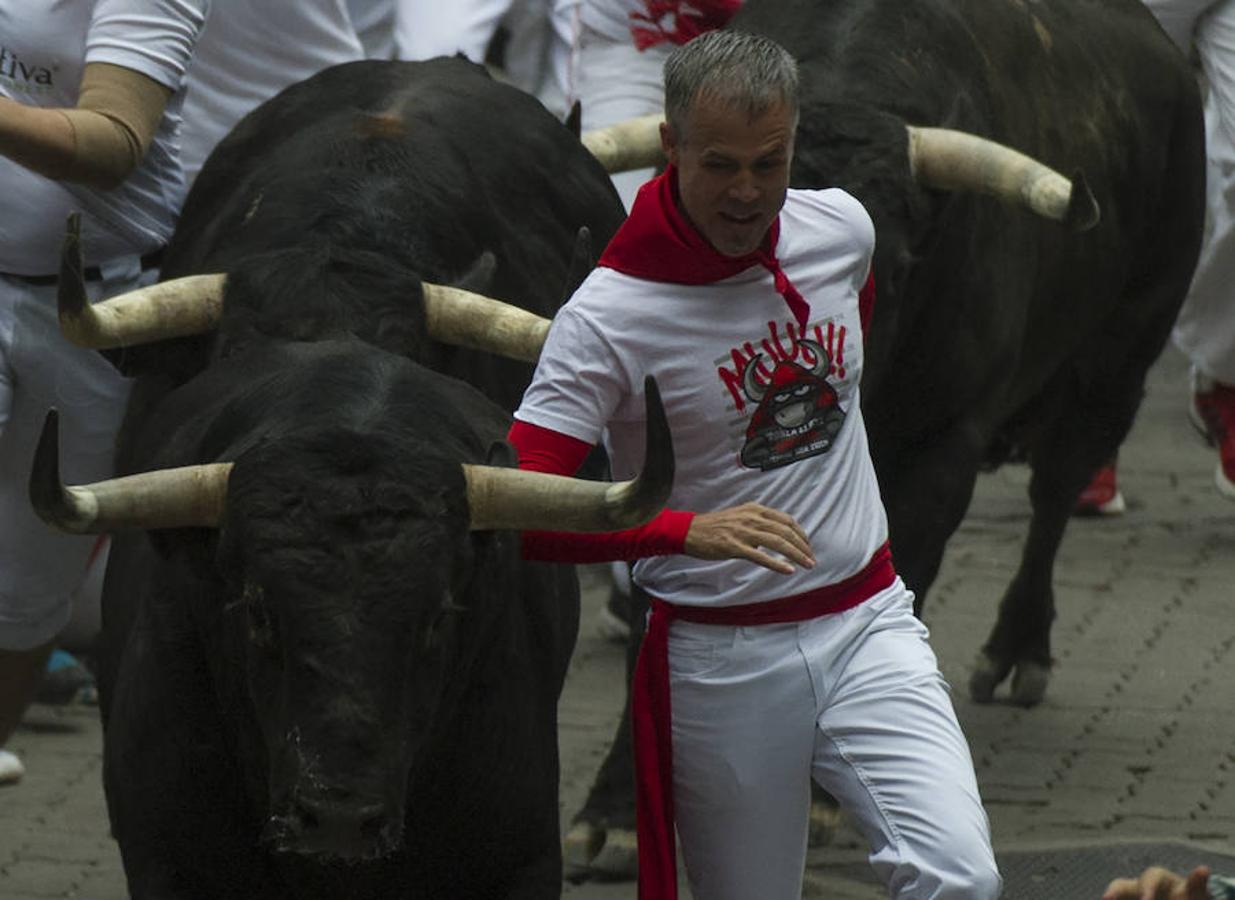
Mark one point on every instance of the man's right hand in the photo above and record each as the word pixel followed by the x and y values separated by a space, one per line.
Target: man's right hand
pixel 745 532
pixel 1157 883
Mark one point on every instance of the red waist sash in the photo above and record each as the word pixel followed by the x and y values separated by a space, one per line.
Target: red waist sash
pixel 650 712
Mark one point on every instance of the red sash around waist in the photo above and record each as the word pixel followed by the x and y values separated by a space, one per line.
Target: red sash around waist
pixel 650 712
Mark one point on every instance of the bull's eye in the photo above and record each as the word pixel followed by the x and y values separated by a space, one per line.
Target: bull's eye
pixel 261 622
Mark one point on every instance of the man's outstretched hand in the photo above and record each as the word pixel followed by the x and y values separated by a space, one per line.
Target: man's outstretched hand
pixel 746 532
pixel 1157 883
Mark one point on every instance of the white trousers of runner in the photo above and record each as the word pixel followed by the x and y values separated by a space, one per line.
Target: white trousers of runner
pixel 1205 329
pixel 41 569
pixel 855 700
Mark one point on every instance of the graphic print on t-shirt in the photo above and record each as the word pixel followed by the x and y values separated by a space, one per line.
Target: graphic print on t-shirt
pixel 17 76
pixel 796 410
pixel 679 21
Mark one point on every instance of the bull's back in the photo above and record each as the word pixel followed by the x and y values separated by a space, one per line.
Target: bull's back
pixel 438 145
pixel 1088 87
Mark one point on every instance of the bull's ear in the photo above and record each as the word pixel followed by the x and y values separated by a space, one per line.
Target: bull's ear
pixel 582 261
pixel 501 454
pixel 574 119
pixel 478 277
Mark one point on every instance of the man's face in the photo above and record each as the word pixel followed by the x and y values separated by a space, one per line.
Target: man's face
pixel 732 171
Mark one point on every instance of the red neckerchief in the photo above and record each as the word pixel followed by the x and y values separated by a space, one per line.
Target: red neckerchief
pixel 676 22
pixel 658 244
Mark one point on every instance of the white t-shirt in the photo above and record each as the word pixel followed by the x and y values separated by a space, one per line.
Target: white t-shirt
pixel 425 31
pixel 251 50
pixel 799 447
pixel 612 18
pixel 43 49
pixel 536 55
pixel 374 21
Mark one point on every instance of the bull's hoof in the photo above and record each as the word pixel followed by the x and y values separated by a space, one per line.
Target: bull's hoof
pixel 825 818
pixel 579 848
pixel 987 675
pixel 618 859
pixel 590 852
pixel 1029 683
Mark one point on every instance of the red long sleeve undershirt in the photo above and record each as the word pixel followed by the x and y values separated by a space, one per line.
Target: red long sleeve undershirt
pixel 544 450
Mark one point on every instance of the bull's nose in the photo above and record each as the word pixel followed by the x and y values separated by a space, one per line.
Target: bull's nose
pixel 344 831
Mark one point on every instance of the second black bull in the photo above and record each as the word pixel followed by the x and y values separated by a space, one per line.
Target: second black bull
pixel 328 204
pixel 997 334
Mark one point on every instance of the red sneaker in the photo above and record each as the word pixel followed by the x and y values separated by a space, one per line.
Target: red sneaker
pixel 1212 411
pixel 1102 497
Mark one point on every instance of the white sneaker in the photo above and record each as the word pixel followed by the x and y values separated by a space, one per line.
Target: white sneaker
pixel 11 768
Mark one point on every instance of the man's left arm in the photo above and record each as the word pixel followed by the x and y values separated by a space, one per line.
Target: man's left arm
pixel 750 531
pixel 544 450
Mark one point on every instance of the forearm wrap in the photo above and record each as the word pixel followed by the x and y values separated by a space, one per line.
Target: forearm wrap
pixel 117 113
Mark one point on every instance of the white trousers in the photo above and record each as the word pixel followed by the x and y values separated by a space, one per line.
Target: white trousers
pixel 41 568
pixel 614 81
pixel 855 700
pixel 1205 329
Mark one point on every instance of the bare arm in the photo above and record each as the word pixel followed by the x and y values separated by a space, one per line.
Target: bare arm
pixel 746 532
pixel 99 142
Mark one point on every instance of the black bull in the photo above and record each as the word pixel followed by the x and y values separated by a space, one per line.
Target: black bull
pixel 340 692
pixel 325 207
pixel 995 334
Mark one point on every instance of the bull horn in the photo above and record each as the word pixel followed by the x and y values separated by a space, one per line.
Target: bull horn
pixel 177 308
pixel 505 498
pixel 948 160
pixel 194 305
pixel 459 317
pixel 629 145
pixel 188 497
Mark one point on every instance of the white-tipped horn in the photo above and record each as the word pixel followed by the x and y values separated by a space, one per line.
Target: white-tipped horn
pixel 948 160
pixel 169 309
pixel 194 305
pixel 175 308
pixel 629 145
pixel 459 317
pixel 513 499
pixel 188 497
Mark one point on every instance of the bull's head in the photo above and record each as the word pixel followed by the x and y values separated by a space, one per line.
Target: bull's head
pixel 352 561
pixel 498 497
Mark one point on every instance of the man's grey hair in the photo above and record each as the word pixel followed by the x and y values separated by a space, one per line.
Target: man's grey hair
pixel 744 72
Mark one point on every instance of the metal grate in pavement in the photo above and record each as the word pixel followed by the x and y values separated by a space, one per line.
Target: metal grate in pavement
pixel 1081 873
